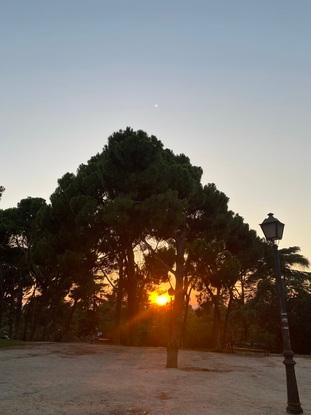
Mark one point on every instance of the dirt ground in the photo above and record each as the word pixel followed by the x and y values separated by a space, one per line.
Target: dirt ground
pixel 82 379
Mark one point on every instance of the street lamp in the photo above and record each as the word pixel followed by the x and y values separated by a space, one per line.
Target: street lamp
pixel 273 231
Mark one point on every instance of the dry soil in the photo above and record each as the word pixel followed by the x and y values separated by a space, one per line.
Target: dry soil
pixel 83 379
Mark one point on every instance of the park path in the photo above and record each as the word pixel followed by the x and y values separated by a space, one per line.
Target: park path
pixel 83 379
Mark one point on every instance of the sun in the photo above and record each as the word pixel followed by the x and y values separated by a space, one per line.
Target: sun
pixel 159 299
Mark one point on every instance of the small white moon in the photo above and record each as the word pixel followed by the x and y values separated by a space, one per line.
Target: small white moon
pixel 156 105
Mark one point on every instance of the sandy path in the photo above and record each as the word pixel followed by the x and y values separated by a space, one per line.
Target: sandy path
pixel 81 379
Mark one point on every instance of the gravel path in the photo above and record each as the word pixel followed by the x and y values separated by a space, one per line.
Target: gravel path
pixel 82 379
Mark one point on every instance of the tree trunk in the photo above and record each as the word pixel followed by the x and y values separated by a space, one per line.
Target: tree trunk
pixel 26 322
pixel 131 297
pixel 224 337
pixel 11 318
pixel 28 312
pixel 184 323
pixel 70 318
pixel 118 310
pixel 34 318
pixel 242 290
pixel 18 312
pixel 178 307
pixel 2 299
pixel 216 320
pixel 1 308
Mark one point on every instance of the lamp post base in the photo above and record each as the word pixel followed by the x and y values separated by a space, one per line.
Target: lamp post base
pixel 293 401
pixel 294 409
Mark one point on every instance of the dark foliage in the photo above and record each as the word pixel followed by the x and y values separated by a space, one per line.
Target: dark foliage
pixel 135 218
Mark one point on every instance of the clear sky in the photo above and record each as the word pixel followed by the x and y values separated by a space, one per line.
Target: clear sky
pixel 226 82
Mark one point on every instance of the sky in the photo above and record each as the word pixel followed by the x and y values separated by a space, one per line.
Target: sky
pixel 228 83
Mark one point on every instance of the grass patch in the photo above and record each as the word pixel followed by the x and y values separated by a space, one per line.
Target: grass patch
pixel 10 343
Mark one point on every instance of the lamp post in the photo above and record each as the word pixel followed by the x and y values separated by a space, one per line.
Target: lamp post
pixel 273 231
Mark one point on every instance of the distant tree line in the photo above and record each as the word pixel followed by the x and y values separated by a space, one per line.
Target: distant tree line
pixel 133 218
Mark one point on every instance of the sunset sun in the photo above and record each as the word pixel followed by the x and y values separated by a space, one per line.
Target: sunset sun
pixel 159 299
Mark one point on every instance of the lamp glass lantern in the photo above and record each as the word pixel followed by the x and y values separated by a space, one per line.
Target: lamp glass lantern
pixel 272 228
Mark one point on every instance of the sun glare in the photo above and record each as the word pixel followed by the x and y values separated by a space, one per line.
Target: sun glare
pixel 159 299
